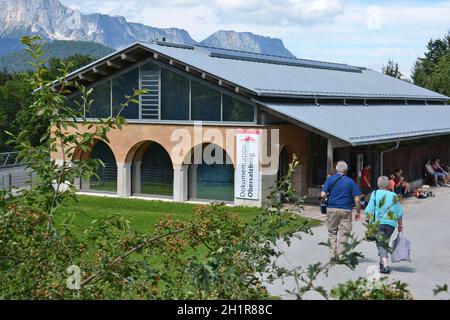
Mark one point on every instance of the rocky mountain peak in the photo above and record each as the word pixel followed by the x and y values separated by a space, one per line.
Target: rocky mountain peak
pixel 53 21
pixel 247 41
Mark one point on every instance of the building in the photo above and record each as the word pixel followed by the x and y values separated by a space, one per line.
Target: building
pixel 237 105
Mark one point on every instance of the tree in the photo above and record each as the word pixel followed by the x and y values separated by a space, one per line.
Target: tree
pixel 213 256
pixel 75 61
pixel 433 70
pixel 4 76
pixel 16 94
pixel 392 69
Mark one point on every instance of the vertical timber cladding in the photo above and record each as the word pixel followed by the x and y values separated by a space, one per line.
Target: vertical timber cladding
pixel 247 164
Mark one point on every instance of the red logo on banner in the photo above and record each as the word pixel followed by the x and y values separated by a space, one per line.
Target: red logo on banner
pixel 248 139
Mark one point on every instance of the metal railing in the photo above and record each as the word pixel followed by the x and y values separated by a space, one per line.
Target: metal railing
pixel 16 180
pixel 106 174
pixel 9 159
pixel 156 175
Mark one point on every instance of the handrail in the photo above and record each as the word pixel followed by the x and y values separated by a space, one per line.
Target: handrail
pixel 9 159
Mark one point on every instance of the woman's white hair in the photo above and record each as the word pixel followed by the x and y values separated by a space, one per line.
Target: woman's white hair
pixel 342 167
pixel 383 182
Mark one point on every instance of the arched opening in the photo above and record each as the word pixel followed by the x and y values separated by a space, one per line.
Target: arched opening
pixel 152 171
pixel 106 175
pixel 283 164
pixel 212 180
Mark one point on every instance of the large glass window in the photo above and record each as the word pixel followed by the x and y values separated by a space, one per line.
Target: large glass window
pixel 105 179
pixel 122 86
pixel 212 181
pixel 170 96
pixel 156 171
pixel 237 110
pixel 76 104
pixel 206 103
pixel 101 106
pixel 150 67
pixel 174 96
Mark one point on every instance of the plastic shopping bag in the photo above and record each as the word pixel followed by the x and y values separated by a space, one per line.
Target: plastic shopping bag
pixel 402 249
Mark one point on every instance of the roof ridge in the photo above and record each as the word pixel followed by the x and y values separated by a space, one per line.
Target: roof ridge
pixel 276 56
pixel 262 55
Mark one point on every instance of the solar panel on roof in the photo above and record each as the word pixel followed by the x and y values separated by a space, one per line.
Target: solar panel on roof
pixel 174 45
pixel 265 58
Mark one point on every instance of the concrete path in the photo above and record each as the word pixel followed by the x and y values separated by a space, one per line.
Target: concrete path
pixel 427 226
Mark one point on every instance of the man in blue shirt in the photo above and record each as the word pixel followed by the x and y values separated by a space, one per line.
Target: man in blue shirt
pixel 343 194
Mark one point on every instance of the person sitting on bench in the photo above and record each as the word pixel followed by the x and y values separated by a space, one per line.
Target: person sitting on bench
pixel 439 167
pixel 439 177
pixel 401 186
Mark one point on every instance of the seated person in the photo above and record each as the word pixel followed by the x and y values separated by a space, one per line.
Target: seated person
pixel 439 177
pixel 401 186
pixel 391 183
pixel 438 167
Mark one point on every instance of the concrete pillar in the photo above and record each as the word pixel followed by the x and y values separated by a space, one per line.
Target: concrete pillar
pixel 193 181
pixel 124 180
pixel 77 184
pixel 330 160
pixel 180 183
pixel 297 180
pixel 85 184
pixel 268 182
pixel 136 179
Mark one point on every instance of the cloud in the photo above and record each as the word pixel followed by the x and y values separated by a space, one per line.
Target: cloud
pixel 277 12
pixel 262 12
pixel 365 33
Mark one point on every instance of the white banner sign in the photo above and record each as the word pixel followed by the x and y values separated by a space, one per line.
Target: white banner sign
pixel 247 168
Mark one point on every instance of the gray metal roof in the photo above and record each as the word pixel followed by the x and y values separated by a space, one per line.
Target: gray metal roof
pixel 270 76
pixel 360 124
pixel 266 58
pixel 281 78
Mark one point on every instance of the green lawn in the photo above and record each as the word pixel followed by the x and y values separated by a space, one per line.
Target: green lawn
pixel 146 188
pixel 143 215
pixel 159 189
pixel 204 191
pixel 104 186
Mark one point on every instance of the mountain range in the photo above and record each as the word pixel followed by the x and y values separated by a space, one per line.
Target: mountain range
pixel 53 21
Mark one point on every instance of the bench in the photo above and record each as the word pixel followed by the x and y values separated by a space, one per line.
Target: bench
pixel 429 179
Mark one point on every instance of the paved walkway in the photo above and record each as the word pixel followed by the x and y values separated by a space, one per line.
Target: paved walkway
pixel 427 226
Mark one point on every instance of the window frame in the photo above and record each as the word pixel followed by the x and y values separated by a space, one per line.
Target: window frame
pixel 191 78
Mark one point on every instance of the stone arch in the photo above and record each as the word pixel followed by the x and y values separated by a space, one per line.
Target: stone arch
pixel 105 179
pixel 210 178
pixel 152 170
pixel 283 163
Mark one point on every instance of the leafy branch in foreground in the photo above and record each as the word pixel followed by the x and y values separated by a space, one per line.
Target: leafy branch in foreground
pixel 35 251
pixel 441 289
pixel 215 255
pixel 365 289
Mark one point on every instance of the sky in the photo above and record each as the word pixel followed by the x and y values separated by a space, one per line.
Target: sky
pixel 365 33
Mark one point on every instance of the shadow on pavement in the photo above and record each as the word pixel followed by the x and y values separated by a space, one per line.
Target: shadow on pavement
pixel 404 269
